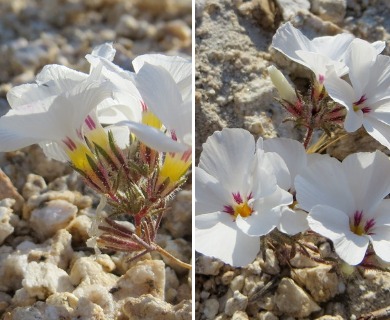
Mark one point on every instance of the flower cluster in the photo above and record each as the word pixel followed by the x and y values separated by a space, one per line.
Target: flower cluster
pixel 127 133
pixel 247 189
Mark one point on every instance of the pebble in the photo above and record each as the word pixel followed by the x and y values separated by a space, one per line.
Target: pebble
pixel 55 215
pixel 321 282
pixel 208 266
pixel 148 307
pixel 330 10
pixel 43 279
pixel 294 301
pixel 145 277
pixel 290 8
pixel 87 270
pixel 6 228
pixel 238 302
pixel 178 218
pixel 8 190
pixel 210 308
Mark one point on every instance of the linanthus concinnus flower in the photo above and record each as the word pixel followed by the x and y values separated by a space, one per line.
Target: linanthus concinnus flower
pixel 319 53
pixel 346 204
pixel 236 197
pixel 367 98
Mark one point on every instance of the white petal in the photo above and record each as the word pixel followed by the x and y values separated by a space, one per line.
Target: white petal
pixel 381 215
pixel 210 195
pixel 288 40
pixel 378 130
pixel 293 221
pixel 339 90
pixel 160 93
pixel 381 242
pixel 292 152
pixel 266 215
pixel 60 77
pixel 360 57
pixel 105 50
pixel 153 138
pixel 379 80
pixel 333 47
pixel 318 63
pixel 379 46
pixel 353 120
pixel 228 244
pixel 229 155
pixel 53 150
pixel 367 182
pixel 274 162
pixel 324 182
pixel 334 224
pixel 179 68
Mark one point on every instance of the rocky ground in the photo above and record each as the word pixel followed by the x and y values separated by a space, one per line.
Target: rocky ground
pixel 233 89
pixel 46 270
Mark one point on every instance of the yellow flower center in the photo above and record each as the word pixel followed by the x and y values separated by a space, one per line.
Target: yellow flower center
pixel 243 210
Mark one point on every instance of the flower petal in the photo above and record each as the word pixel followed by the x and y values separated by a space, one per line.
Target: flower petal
pixel 266 215
pixel 381 242
pixel 160 93
pixel 210 195
pixel 179 68
pixel 324 182
pixel 228 244
pixel 378 130
pixel 229 156
pixel 292 152
pixel 153 138
pixel 292 221
pixel 334 224
pixel 367 182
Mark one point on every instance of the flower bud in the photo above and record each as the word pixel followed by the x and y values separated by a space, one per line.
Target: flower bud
pixel 286 91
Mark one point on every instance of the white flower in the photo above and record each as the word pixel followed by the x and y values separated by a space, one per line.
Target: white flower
pixel 236 197
pixel 346 203
pixel 54 119
pixel 318 53
pixel 165 84
pixel 165 89
pixel 292 220
pixel 368 98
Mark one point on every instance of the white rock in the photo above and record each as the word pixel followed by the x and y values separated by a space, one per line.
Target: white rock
pixel 79 227
pixel 88 310
pixel 98 295
pixel 271 263
pixel 319 281
pixel 12 270
pixel 290 8
pixel 146 277
pixel 55 215
pixel 329 10
pixel 5 227
pixel 33 186
pixel 237 283
pixel 43 279
pixel 22 298
pixel 238 302
pixel 210 308
pixel 208 266
pixel 148 307
pixel 60 305
pixel 57 250
pixel 178 219
pixel 240 315
pixel 88 270
pixel 292 300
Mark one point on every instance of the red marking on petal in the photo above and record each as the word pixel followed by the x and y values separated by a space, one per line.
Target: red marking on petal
pixel 237 197
pixel 229 210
